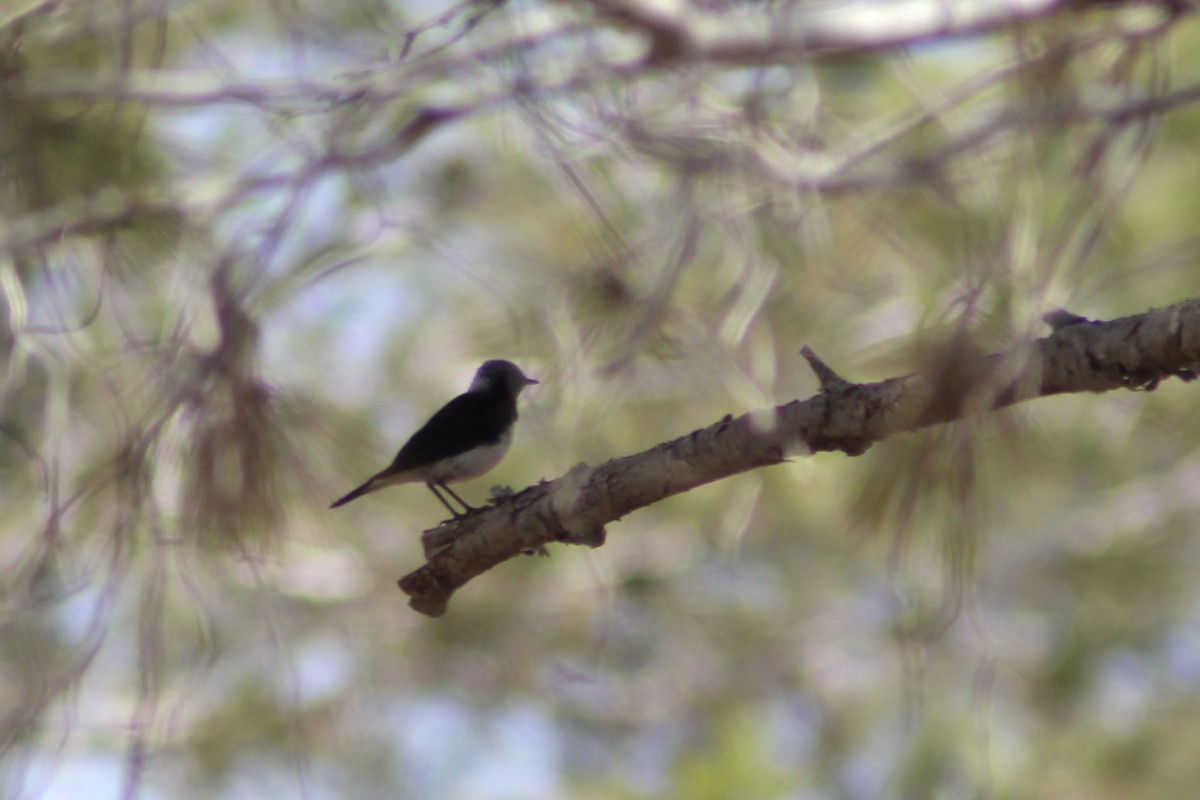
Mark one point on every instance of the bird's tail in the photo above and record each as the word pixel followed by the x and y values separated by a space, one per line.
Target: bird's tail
pixel 370 486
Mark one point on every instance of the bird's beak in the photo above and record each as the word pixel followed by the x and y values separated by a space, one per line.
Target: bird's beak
pixel 529 380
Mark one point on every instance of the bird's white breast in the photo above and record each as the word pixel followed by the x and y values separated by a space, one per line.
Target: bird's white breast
pixel 471 464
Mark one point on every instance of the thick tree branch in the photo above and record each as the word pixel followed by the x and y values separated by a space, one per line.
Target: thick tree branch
pixel 1079 356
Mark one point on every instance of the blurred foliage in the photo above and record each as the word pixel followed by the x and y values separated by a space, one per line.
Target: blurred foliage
pixel 247 248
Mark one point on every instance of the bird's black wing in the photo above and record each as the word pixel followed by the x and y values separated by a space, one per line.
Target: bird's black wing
pixel 466 422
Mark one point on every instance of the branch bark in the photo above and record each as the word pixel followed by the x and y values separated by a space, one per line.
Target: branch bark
pixel 1079 356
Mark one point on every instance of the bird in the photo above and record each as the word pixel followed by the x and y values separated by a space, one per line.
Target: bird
pixel 465 438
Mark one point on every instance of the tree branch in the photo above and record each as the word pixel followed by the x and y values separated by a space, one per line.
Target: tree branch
pixel 806 31
pixel 1079 356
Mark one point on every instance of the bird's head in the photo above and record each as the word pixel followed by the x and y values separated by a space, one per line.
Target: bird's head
pixel 500 374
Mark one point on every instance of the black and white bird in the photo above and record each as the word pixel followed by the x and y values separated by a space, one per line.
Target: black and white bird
pixel 463 440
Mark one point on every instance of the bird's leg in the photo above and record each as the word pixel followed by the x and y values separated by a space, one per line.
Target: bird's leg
pixel 433 487
pixel 453 494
